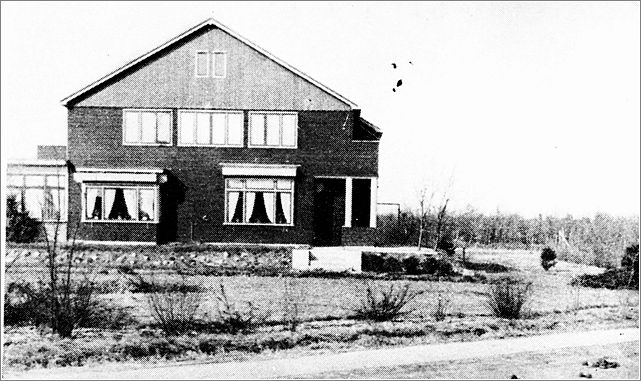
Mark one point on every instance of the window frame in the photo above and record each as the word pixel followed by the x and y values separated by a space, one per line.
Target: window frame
pixel 207 66
pixel 213 63
pixel 140 111
pixel 280 129
pixel 244 190
pixel 211 113
pixel 103 186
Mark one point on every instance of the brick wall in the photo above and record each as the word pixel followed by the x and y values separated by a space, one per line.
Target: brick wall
pixel 325 148
pixel 359 236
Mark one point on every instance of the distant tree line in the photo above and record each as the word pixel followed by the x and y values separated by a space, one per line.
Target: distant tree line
pixel 600 240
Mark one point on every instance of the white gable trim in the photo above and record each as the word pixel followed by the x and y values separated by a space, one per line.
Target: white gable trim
pixel 263 170
pixel 140 175
pixel 196 28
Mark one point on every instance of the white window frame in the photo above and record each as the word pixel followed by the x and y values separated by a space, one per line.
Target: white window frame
pixel 208 65
pixel 212 112
pixel 85 186
pixel 140 111
pixel 243 191
pixel 213 64
pixel 280 129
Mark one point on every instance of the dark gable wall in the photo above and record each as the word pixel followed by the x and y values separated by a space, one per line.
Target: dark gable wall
pixel 325 148
pixel 193 200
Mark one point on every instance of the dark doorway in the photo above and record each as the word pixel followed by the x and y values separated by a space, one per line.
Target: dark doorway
pixel 329 211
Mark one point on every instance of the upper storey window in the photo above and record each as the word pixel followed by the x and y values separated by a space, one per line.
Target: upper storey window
pixel 211 64
pixel 273 129
pixel 147 127
pixel 210 128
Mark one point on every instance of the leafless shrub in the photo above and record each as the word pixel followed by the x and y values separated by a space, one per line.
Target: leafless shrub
pixel 507 297
pixel 174 311
pixel 233 319
pixel 441 309
pixel 292 301
pixel 380 304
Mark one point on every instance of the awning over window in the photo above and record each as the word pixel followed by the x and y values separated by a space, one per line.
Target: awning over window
pixel 135 175
pixel 264 170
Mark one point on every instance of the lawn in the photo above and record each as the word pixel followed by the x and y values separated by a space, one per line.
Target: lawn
pixel 325 308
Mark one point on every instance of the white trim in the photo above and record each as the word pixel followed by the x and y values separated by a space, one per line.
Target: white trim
pixel 344 177
pixel 115 177
pixel 259 170
pixel 280 129
pixel 215 23
pixel 124 170
pixel 109 243
pixel 156 112
pixel 373 187
pixel 348 202
pixel 196 63
pixel 366 141
pixel 226 113
pixel 36 162
pixel 213 64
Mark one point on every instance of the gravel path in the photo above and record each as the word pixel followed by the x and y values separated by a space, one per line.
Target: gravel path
pixel 396 356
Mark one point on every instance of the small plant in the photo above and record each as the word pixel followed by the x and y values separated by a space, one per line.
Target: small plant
pixel 548 258
pixel 292 300
pixel 442 307
pixel 174 311
pixel 507 298
pixel 386 304
pixel 233 320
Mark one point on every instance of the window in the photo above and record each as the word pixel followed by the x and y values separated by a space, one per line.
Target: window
pixel 273 130
pixel 220 64
pixel 42 196
pixel 147 127
pixel 211 62
pixel 202 64
pixel 120 203
pixel 259 201
pixel 211 128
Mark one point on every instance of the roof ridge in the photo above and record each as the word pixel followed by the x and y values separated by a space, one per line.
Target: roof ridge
pixel 207 22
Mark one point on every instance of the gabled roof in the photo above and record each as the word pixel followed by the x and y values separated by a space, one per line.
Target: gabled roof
pixel 186 34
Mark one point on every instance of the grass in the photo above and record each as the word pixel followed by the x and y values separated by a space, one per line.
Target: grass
pixel 324 316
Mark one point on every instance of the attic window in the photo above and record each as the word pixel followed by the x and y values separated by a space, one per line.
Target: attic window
pixel 212 64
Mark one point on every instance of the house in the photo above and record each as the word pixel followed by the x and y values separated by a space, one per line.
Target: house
pixel 210 138
pixel 39 187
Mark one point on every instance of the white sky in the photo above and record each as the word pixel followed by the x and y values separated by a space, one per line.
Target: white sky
pixel 527 107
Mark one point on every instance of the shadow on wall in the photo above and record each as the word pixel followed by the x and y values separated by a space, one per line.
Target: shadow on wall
pixel 172 193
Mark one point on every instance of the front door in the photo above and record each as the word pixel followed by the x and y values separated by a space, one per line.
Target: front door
pixel 329 211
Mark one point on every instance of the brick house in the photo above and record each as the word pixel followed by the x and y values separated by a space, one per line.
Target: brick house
pixel 210 138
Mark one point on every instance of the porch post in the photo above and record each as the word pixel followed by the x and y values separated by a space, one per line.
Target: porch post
pixel 373 194
pixel 348 202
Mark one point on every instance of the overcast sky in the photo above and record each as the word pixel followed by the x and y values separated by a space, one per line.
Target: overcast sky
pixel 525 107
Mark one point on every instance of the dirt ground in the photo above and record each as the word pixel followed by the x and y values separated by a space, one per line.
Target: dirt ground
pixel 559 364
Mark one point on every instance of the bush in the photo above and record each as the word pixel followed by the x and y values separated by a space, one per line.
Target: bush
pixel 25 305
pixel 20 226
pixel 173 311
pixel 388 306
pixel 630 261
pixel 507 298
pixel 625 277
pixel 233 320
pixel 372 262
pixel 391 264
pixel 548 258
pixel 412 265
pixel 138 284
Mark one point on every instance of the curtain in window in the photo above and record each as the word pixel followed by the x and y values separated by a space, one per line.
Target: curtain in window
pixel 235 208
pixel 259 214
pixel 146 208
pixel 269 206
pixel 250 197
pixel 118 210
pixel 283 208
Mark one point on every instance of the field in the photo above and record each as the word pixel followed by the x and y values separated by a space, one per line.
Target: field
pixel 325 308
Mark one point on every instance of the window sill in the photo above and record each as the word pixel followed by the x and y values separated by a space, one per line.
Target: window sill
pixel 271 147
pixel 148 144
pixel 118 222
pixel 248 224
pixel 211 145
